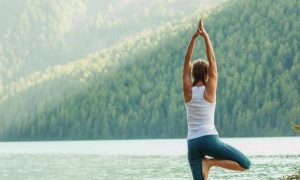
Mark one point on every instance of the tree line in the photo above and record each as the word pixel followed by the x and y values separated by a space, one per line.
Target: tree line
pixel 136 93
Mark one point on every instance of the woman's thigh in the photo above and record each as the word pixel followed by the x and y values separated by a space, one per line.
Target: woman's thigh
pixel 212 146
pixel 217 149
pixel 195 159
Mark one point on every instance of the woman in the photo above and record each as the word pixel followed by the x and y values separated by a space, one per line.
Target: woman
pixel 200 102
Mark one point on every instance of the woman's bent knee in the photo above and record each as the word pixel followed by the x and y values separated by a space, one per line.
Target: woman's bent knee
pixel 246 164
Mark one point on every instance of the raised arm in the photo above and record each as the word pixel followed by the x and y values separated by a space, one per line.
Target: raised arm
pixel 187 66
pixel 211 85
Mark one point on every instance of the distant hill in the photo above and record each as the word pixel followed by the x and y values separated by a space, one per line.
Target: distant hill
pixel 133 89
pixel 37 35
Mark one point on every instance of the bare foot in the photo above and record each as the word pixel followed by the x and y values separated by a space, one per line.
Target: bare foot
pixel 205 168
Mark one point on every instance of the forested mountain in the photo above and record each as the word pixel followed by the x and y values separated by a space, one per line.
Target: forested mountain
pixel 133 89
pixel 37 34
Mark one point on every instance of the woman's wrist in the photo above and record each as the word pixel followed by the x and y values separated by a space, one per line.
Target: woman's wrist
pixel 206 36
pixel 195 35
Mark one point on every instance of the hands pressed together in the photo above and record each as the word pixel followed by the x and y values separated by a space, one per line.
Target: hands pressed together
pixel 200 30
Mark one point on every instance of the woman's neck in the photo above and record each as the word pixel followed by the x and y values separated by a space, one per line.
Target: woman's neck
pixel 199 84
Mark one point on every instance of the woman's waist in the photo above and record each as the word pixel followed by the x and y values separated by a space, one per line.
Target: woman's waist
pixel 201 124
pixel 201 129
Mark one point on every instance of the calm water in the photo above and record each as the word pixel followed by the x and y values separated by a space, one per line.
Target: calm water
pixel 139 159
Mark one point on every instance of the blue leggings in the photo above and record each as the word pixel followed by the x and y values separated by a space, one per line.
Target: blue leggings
pixel 212 146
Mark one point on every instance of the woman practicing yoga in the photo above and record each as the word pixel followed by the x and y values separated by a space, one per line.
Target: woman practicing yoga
pixel 200 103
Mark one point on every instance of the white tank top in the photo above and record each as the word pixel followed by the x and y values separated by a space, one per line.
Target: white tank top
pixel 200 115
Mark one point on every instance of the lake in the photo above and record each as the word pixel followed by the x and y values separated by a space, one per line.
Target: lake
pixel 139 159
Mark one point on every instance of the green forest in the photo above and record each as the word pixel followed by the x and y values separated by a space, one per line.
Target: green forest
pixel 35 35
pixel 132 89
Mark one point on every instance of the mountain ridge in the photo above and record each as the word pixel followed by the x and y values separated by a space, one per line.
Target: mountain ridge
pixel 257 92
